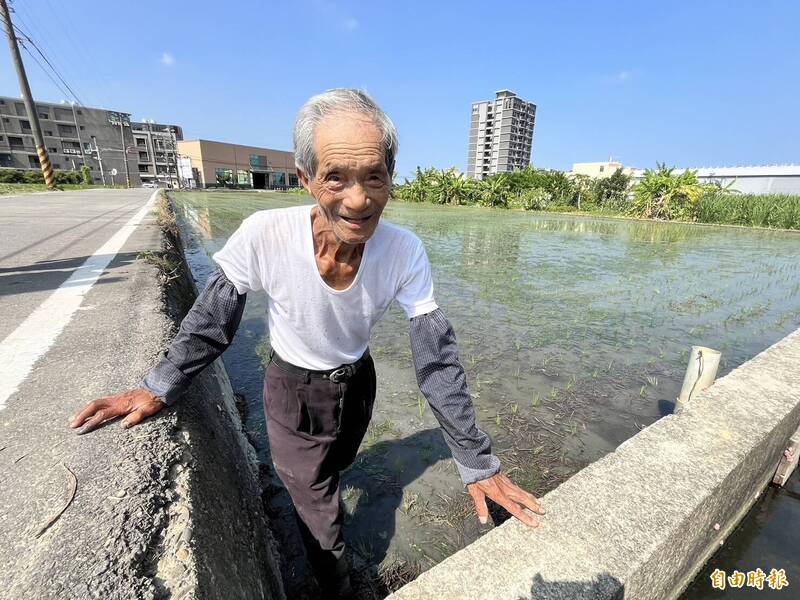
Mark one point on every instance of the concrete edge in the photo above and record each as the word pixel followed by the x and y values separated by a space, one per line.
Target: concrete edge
pixel 643 520
pixel 216 519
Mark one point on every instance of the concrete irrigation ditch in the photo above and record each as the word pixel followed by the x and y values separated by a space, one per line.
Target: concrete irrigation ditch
pixel 642 521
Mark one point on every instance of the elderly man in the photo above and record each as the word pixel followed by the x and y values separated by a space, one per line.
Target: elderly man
pixel 330 272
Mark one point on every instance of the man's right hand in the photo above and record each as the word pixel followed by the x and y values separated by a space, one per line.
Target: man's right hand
pixel 137 404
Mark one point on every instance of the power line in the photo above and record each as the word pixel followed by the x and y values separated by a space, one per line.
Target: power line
pixel 55 71
pixel 41 66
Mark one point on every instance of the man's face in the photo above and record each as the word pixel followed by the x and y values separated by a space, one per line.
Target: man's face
pixel 352 182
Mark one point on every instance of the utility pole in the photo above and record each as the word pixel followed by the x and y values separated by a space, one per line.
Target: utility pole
pixel 124 154
pixel 173 141
pixel 78 129
pixel 152 148
pixel 30 107
pixel 99 159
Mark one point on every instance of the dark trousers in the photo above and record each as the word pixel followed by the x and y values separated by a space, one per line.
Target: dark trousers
pixel 314 428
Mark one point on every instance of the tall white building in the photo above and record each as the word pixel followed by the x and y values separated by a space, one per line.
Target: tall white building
pixel 500 135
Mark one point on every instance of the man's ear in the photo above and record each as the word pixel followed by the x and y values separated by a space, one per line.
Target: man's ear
pixel 304 180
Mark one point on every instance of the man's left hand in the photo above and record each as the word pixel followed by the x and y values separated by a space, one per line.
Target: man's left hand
pixel 508 495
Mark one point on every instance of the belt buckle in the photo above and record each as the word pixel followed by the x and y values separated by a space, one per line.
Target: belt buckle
pixel 337 375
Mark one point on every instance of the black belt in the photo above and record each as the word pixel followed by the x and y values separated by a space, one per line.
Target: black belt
pixel 337 375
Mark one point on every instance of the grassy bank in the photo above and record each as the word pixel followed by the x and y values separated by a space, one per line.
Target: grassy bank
pixel 661 195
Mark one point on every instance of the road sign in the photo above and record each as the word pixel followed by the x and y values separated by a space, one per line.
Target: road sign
pixel 113 172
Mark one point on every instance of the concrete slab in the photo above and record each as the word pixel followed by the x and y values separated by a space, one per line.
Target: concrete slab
pixel 640 522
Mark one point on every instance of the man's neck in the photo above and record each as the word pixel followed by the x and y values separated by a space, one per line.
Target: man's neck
pixel 337 261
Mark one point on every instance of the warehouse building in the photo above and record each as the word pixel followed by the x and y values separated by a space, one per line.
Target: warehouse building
pixel 205 163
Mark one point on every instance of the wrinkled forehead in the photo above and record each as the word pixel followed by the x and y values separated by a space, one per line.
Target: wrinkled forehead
pixel 347 133
pixel 347 128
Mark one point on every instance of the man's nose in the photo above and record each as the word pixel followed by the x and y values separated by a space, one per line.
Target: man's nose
pixel 356 198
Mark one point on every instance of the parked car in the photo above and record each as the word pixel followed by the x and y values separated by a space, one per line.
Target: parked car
pixel 150 184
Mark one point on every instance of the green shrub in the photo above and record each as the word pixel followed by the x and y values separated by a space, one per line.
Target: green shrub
pixel 11 176
pixel 533 199
pixel 767 210
pixel 86 174
pixel 73 177
pixel 33 177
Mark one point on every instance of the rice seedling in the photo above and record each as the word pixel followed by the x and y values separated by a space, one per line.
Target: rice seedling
pixel 364 547
pixel 536 399
pixel 376 431
pixel 394 573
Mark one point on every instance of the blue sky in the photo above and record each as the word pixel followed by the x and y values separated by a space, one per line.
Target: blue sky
pixel 689 83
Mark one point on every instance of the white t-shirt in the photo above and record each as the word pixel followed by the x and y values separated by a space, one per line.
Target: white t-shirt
pixel 312 325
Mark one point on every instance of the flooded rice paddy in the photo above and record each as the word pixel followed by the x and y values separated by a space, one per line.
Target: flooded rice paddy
pixel 574 333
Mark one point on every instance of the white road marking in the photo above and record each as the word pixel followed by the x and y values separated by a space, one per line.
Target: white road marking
pixel 36 334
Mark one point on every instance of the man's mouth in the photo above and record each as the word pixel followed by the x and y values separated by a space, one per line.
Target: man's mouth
pixel 354 220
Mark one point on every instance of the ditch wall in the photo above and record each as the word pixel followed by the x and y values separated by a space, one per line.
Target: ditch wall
pixel 642 521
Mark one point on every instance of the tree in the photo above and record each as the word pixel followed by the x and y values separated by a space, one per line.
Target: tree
pixel 663 195
pixel 86 173
pixel 494 191
pixel 583 186
pixel 612 192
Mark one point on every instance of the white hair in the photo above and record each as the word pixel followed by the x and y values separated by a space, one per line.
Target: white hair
pixel 339 100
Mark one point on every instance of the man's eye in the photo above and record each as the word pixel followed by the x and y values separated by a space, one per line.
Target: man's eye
pixel 333 177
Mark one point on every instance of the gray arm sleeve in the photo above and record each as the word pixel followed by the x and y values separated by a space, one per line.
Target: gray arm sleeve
pixel 442 380
pixel 205 332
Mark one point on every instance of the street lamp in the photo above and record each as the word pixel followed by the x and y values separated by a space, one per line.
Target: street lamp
pixel 77 128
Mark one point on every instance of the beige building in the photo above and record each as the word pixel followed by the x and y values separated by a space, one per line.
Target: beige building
pixel 601 169
pixel 204 163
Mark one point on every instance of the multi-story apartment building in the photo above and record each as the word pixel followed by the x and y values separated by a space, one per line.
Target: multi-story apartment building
pixel 100 138
pixel 205 163
pixel 156 147
pixel 500 135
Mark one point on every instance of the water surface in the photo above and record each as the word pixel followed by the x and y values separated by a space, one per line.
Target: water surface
pixel 574 332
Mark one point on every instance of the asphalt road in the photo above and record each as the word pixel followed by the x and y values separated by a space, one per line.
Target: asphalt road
pixel 45 237
pixel 107 326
